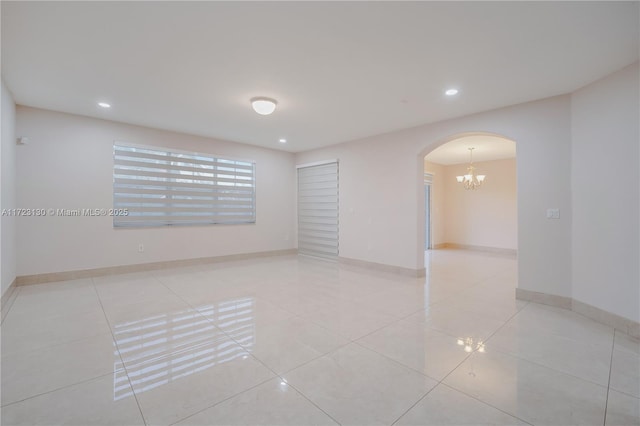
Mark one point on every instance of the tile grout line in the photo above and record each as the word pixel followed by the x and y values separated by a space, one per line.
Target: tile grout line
pixel 422 373
pixel 430 390
pixel 115 342
pixel 526 360
pixel 399 319
pixel 555 370
pixel 441 382
pixel 65 386
pixel 349 341
pixel 58 389
pixel 222 401
pixel 606 404
pixel 261 362
pixel 550 368
pixel 253 356
pixel 414 404
pixel 310 401
pixel 487 404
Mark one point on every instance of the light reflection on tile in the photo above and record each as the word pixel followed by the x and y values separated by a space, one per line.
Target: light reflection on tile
pixel 272 403
pixel 536 394
pixel 206 344
pixel 30 373
pixel 162 348
pixel 418 347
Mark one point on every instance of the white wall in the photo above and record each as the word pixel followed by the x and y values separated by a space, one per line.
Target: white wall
pixel 378 185
pixel 8 189
pixel 605 196
pixel 382 194
pixel 488 216
pixel 578 153
pixel 69 164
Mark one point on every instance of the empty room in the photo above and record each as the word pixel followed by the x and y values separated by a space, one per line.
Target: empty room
pixel 320 213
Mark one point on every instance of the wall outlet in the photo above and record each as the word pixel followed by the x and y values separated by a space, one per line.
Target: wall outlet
pixel 140 248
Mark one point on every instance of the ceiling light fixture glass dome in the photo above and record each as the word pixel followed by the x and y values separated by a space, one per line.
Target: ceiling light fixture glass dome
pixel 263 106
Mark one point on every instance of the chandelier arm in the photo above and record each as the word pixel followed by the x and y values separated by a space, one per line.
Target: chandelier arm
pixel 470 180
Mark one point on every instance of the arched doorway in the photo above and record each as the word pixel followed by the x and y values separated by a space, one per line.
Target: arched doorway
pixel 450 216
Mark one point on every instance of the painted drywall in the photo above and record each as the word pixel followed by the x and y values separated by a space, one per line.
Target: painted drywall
pixel 69 165
pixel 382 190
pixel 377 205
pixel 438 213
pixel 486 217
pixel 8 189
pixel 605 197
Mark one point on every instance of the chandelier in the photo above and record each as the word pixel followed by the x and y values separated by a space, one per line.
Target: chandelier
pixel 471 180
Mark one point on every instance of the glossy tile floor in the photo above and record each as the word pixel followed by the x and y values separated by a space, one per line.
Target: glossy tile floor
pixel 295 341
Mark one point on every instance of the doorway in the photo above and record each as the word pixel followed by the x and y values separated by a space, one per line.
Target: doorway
pixel 482 216
pixel 428 179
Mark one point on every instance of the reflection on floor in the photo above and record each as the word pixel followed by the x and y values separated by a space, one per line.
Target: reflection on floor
pixel 166 347
pixel 290 340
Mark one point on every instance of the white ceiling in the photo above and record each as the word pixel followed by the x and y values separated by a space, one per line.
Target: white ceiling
pixel 486 148
pixel 339 70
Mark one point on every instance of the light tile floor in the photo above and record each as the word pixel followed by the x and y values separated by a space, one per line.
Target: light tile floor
pixel 295 341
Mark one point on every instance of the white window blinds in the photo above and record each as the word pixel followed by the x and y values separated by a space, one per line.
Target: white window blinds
pixel 160 187
pixel 318 210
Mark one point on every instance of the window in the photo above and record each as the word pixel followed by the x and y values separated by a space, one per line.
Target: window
pixel 157 187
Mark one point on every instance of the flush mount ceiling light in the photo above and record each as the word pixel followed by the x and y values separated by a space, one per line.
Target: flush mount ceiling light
pixel 451 92
pixel 471 180
pixel 282 140
pixel 104 105
pixel 263 106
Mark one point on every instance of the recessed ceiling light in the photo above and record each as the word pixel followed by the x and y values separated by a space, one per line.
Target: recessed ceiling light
pixel 263 106
pixel 282 140
pixel 451 92
pixel 104 105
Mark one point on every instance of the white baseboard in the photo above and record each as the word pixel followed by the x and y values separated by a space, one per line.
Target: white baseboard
pixel 8 298
pixel 495 250
pixel 141 267
pixel 544 298
pixel 624 325
pixel 408 272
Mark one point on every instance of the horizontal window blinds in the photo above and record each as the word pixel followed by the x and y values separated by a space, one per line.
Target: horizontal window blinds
pixel 318 210
pixel 157 187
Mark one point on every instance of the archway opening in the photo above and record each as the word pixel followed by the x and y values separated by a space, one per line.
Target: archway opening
pixel 456 214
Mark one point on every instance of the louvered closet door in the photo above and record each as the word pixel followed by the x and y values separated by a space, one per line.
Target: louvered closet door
pixel 318 210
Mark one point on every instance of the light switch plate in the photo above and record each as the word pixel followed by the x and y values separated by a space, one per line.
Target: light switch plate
pixel 553 213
